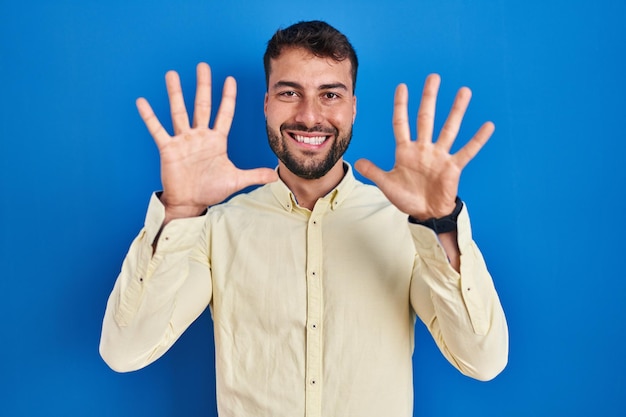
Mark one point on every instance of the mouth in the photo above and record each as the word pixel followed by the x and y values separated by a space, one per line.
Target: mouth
pixel 309 140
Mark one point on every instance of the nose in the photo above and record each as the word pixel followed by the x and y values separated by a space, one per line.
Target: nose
pixel 309 112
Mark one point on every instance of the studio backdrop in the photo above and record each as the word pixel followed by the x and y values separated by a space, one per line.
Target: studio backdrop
pixel 545 195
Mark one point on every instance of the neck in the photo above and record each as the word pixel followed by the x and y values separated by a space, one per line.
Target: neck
pixel 307 191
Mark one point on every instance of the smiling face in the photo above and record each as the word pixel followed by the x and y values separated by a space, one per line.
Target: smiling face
pixel 309 108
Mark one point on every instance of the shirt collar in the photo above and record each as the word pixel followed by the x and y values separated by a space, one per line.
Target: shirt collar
pixel 288 201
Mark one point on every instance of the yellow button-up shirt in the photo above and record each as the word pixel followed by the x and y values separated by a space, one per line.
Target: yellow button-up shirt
pixel 313 311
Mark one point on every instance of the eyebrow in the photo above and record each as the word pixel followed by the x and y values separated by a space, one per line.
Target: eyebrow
pixel 322 87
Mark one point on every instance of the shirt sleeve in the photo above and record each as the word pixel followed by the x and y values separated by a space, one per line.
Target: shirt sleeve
pixel 461 310
pixel 156 295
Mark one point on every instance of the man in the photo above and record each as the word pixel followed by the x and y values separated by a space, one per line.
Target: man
pixel 314 280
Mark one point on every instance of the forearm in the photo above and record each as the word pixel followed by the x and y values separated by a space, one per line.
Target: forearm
pixel 461 309
pixel 470 329
pixel 156 296
pixel 451 247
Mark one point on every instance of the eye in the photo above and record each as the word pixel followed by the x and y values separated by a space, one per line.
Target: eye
pixel 288 94
pixel 331 95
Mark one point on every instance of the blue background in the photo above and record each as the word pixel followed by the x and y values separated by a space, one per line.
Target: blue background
pixel 546 194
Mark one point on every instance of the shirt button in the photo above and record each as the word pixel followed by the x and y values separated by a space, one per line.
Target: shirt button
pixel 313 382
pixel 314 326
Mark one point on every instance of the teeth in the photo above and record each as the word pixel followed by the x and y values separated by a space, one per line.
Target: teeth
pixel 315 140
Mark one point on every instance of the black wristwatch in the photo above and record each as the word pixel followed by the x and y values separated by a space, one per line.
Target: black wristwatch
pixel 442 224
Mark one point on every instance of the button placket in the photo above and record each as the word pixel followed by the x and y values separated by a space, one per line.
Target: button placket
pixel 314 342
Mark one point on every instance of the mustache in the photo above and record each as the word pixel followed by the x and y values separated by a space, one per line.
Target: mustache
pixel 315 129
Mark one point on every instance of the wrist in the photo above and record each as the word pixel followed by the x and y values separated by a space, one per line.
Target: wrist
pixel 179 211
pixel 442 224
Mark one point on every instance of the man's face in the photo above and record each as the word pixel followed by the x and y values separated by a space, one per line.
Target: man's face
pixel 309 110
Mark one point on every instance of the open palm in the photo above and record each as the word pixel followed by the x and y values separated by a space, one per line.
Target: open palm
pixel 425 178
pixel 195 169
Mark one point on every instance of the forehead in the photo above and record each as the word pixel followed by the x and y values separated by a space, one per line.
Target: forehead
pixel 301 66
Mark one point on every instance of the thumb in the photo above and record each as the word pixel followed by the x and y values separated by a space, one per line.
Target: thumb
pixel 258 176
pixel 369 170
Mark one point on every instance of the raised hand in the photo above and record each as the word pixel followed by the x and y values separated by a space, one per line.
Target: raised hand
pixel 195 169
pixel 425 178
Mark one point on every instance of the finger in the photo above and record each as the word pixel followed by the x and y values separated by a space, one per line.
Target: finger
pixel 158 133
pixel 452 125
pixel 180 119
pixel 370 171
pixel 401 129
pixel 202 105
pixel 226 111
pixel 471 148
pixel 426 112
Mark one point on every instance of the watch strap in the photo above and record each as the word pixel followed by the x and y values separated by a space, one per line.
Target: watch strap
pixel 442 224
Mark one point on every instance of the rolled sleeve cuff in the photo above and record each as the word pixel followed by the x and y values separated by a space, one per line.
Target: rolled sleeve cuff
pixel 138 268
pixel 473 281
pixel 178 234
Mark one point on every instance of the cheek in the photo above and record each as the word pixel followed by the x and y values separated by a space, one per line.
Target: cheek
pixel 275 114
pixel 273 124
pixel 341 118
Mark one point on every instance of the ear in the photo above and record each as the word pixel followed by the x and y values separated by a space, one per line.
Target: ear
pixel 265 105
pixel 353 108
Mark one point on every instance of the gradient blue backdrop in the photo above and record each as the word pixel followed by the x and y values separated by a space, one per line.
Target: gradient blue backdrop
pixel 546 194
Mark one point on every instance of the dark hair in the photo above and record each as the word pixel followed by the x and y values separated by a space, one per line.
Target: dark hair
pixel 315 36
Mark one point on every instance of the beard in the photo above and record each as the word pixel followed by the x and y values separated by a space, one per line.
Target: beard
pixel 308 168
